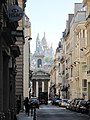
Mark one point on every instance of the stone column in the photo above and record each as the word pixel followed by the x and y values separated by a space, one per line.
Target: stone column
pixel 36 88
pixel 42 86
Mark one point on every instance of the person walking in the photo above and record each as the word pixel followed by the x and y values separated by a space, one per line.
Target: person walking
pixel 27 105
pixel 18 105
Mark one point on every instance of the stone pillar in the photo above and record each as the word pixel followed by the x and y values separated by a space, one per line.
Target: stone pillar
pixel 36 88
pixel 42 86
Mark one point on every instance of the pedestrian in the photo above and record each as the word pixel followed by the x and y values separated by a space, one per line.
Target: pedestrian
pixel 18 105
pixel 27 105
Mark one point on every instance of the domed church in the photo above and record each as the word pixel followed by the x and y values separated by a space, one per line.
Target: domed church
pixel 40 65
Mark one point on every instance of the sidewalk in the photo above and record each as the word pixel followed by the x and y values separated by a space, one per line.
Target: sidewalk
pixel 23 116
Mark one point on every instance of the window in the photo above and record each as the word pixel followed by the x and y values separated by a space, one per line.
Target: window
pixel 59 67
pixel 39 63
pixel 83 33
pixel 71 72
pixel 84 85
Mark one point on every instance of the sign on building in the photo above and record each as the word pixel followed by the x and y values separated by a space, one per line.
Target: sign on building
pixel 15 13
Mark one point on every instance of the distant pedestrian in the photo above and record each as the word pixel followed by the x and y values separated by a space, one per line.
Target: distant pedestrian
pixel 27 106
pixel 18 105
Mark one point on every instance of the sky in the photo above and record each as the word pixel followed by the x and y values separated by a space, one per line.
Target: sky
pixel 48 16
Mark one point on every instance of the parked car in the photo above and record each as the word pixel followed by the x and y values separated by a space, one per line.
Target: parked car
pixel 71 105
pixel 68 104
pixel 81 106
pixel 55 100
pixel 49 100
pixel 63 102
pixel 34 102
pixel 58 101
pixel 74 103
pixel 88 107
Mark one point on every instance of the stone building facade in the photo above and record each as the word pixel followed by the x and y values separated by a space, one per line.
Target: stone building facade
pixel 87 48
pixel 11 67
pixel 74 60
pixel 20 60
pixel 26 70
pixel 9 51
pixel 74 38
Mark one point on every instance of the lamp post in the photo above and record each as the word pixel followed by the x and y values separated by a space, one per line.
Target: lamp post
pixel 29 38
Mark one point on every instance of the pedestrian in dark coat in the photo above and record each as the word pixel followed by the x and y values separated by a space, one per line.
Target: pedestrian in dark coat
pixel 18 105
pixel 27 106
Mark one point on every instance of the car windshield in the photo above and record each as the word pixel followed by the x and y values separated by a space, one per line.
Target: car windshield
pixel 83 103
pixel 34 99
pixel 65 100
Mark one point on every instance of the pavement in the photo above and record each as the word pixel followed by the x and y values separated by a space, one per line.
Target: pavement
pixel 23 116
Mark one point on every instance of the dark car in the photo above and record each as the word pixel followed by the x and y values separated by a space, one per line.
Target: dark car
pixel 71 105
pixel 74 103
pixel 34 102
pixel 88 107
pixel 55 100
pixel 63 102
pixel 58 101
pixel 81 106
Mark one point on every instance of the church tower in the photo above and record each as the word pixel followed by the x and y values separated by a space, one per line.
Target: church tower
pixel 40 76
pixel 39 55
pixel 44 42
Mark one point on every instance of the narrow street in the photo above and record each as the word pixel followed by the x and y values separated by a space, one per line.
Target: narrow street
pixel 56 113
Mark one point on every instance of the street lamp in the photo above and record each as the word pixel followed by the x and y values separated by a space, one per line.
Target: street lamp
pixel 82 49
pixel 29 38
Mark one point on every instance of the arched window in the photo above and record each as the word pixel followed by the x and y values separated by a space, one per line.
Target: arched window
pixel 39 62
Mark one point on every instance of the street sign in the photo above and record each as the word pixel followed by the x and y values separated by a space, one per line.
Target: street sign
pixel 15 13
